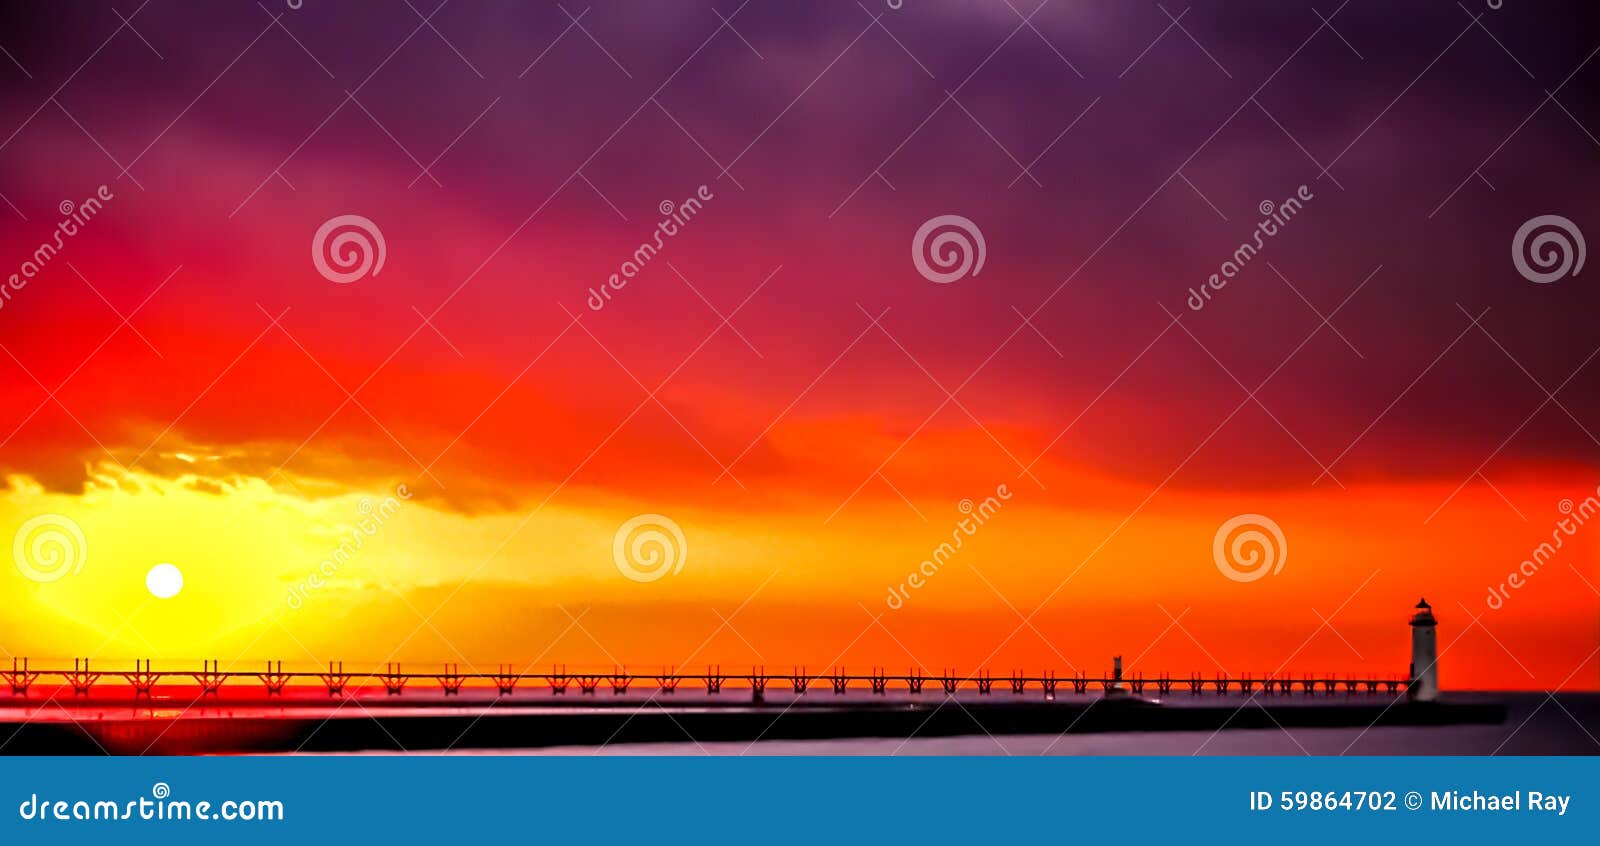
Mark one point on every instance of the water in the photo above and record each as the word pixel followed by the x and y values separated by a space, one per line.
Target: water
pixel 1536 724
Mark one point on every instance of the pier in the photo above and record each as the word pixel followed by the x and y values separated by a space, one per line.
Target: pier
pixel 395 679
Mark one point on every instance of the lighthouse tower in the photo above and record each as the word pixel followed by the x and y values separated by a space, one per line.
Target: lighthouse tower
pixel 1424 655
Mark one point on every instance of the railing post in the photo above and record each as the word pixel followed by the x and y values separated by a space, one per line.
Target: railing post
pixel 394 681
pixel 274 679
pixel 210 678
pixel 335 679
pixel 451 679
pixel 505 680
pixel 20 678
pixel 669 680
pixel 141 678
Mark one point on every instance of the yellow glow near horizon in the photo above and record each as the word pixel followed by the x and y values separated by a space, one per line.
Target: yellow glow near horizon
pixel 372 576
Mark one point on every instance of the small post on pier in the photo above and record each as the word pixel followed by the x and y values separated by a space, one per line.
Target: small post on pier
pixel 669 680
pixel 142 679
pixel 985 682
pixel 505 680
pixel 20 678
pixel 81 679
pixel 451 679
pixel 758 684
pixel 394 681
pixel 210 678
pixel 335 679
pixel 619 680
pixel 840 681
pixel 274 679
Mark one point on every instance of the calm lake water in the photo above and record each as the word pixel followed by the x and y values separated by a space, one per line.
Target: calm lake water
pixel 1568 724
pixel 1536 724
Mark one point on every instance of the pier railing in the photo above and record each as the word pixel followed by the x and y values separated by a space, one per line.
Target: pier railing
pixel 505 681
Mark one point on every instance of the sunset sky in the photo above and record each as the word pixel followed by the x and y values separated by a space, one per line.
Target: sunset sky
pixel 181 383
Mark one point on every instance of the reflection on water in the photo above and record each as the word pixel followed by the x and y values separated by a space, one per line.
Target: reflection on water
pixel 1535 723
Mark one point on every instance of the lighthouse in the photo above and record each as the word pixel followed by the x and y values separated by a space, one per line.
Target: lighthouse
pixel 1424 655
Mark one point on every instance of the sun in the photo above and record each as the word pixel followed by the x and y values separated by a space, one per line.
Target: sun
pixel 164 581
